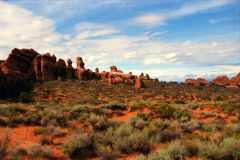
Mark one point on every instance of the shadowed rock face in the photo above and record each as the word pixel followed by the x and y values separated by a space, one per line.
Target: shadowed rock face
pixel 61 68
pixel 19 65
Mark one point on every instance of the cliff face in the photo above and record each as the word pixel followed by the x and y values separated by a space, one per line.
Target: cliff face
pixel 24 64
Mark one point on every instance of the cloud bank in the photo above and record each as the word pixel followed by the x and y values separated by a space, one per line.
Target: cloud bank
pixel 103 45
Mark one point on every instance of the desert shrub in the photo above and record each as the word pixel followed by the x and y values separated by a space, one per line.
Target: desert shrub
pixel 138 105
pixel 179 102
pixel 230 148
pixel 172 132
pixel 25 97
pixel 191 125
pixel 3 121
pixel 81 109
pixel 99 122
pixel 17 152
pixel 164 110
pixel 199 87
pixel 4 142
pixel 143 116
pixel 218 98
pixel 115 106
pixel 32 118
pixel 192 147
pixel 104 144
pixel 107 152
pixel 174 151
pixel 230 130
pixel 209 150
pixel 138 123
pixel 213 125
pixel 40 131
pixel 38 151
pixel 182 115
pixel 76 145
pixel 135 142
pixel 177 151
pixel 54 117
pixel 16 120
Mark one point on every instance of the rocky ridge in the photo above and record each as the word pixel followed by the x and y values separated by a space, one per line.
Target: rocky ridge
pixel 24 64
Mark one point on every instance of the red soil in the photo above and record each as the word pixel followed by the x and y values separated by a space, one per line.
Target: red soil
pixel 127 114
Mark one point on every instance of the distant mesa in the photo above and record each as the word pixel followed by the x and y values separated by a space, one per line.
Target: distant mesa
pixel 24 64
pixel 220 80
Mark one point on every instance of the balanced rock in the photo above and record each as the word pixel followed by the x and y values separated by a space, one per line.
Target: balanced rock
pixel 113 69
pixel 70 70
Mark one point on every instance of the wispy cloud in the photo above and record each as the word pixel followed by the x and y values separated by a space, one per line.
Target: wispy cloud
pixel 217 20
pixel 160 18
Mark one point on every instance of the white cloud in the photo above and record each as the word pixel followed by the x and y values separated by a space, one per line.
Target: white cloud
pixel 160 18
pixel 100 46
pixel 149 20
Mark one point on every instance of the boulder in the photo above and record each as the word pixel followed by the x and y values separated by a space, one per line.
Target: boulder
pixel 104 75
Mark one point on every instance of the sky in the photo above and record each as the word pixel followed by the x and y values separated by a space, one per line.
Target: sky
pixel 169 39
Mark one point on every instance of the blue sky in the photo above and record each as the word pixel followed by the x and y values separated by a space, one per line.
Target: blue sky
pixel 169 39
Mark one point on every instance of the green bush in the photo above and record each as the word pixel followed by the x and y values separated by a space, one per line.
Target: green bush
pixel 164 110
pixel 230 148
pixel 37 151
pixel 99 122
pixel 76 145
pixel 209 150
pixel 177 151
pixel 25 97
pixel 218 98
pixel 3 121
pixel 182 115
pixel 4 144
pixel 53 117
pixel 191 125
pixel 138 105
pixel 115 106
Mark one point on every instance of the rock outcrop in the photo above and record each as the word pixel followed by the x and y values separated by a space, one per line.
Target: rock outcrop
pixel 70 70
pixel 45 67
pixel 117 76
pixel 19 65
pixel 23 64
pixel 221 80
pixel 138 83
pixel 197 82
pixel 142 76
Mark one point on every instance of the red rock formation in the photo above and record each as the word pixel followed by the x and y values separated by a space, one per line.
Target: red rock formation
pixel 141 76
pixel 81 72
pixel 197 82
pixel 138 83
pixel 202 81
pixel 19 65
pixel 61 68
pixel 1 61
pixel 221 80
pixel 104 75
pixel 113 69
pixel 70 70
pixel 45 67
pixel 234 82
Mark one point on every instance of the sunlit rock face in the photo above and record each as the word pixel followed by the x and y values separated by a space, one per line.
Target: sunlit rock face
pixel 23 64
